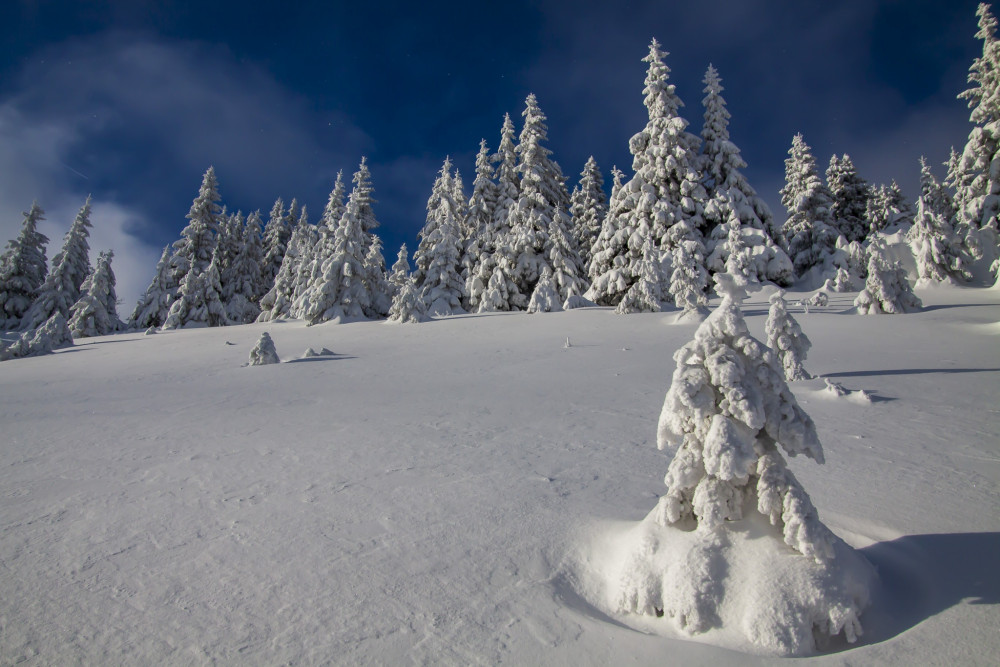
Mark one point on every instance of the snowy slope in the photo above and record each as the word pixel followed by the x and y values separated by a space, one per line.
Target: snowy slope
pixel 432 493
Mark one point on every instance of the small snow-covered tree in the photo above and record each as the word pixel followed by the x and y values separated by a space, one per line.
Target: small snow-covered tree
pixel 263 351
pixel 887 290
pixel 96 311
pixel 22 270
pixel 407 305
pixel 887 209
pixel 151 309
pixel 545 298
pixel 565 263
pixel 51 335
pixel 809 232
pixel 497 295
pixel 850 194
pixel 478 220
pixel 199 300
pixel 645 294
pixel 689 278
pixel 739 256
pixel 785 338
pixel 588 207
pixel 400 270
pixel 376 281
pixel 727 417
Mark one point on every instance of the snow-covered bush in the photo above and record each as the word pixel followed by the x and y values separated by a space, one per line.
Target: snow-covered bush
pixel 407 306
pixel 263 352
pixel 785 338
pixel 736 542
pixel 52 335
pixel 545 298
pixel 887 291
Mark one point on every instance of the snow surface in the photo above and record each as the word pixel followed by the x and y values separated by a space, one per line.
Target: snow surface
pixel 441 493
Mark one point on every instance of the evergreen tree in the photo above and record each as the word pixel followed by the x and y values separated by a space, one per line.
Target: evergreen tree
pixel 478 223
pixel 739 257
pixel 978 181
pixel 22 270
pixel 497 295
pixel 887 209
pixel 808 231
pixel 665 190
pixel 376 281
pixel 438 274
pixel 280 300
pixel 887 291
pixel 785 338
pixel 588 208
pixel 241 280
pixel 263 352
pixel 151 309
pixel 940 253
pixel 276 236
pixel 199 300
pixel 542 201
pixel 645 294
pixel 340 292
pixel 70 268
pixel 689 278
pixel 566 271
pixel 407 306
pixel 51 335
pixel 196 247
pixel 96 311
pixel 400 270
pixel 311 250
pixel 545 298
pixel 727 416
pixel 850 194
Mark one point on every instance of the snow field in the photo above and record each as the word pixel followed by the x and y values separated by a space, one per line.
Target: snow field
pixel 445 492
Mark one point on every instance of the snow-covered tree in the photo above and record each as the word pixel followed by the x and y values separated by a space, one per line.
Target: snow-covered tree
pixel 193 252
pixel 51 335
pixel 400 270
pixel 22 270
pixel 407 305
pixel 542 201
pixel 241 280
pixel 96 311
pixel 278 301
pixel 888 209
pixel 478 223
pixel 887 290
pixel 739 256
pixel 199 300
pixel 545 298
pixel 376 281
pixel 151 309
pixel 809 232
pixel 276 236
pixel 940 253
pixel 588 207
pixel 666 189
pixel 785 338
pixel 566 267
pixel 263 351
pixel 340 291
pixel 497 295
pixel 645 294
pixel 438 255
pixel 850 194
pixel 727 416
pixel 689 279
pixel 70 267
pixel 977 178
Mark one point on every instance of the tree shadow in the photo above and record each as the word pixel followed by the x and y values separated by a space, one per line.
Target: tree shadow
pixel 908 371
pixel 944 306
pixel 923 575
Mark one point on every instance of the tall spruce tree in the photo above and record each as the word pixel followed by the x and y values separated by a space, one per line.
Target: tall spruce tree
pixel 70 268
pixel 438 256
pixel 152 307
pixel 196 247
pixel 96 311
pixel 588 208
pixel 22 270
pixel 809 233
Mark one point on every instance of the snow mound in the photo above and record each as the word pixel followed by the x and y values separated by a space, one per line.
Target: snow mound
pixel 577 301
pixel 263 352
pixel 837 390
pixel 310 353
pixel 739 587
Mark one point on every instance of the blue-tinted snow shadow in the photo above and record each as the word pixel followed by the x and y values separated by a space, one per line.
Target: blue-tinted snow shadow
pixel 921 576
pixel 908 371
pixel 943 306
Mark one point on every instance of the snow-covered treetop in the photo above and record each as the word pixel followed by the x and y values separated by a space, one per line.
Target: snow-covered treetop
pixel 660 100
pixel 984 74
pixel 334 209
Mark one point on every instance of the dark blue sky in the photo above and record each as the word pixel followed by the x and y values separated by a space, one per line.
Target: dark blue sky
pixel 131 100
